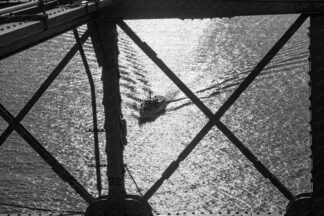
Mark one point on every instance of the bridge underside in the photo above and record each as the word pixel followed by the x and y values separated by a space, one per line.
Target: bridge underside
pixel 197 9
pixel 102 18
pixel 59 18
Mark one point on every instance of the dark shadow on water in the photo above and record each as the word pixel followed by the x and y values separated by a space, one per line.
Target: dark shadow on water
pixel 139 74
pixel 128 80
pixel 144 81
pixel 142 121
pixel 130 87
pixel 133 105
pixel 129 95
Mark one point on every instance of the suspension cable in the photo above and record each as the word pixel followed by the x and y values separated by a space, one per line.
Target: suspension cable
pixel 94 110
pixel 137 188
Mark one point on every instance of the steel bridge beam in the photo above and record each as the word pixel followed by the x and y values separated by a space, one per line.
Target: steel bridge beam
pixel 193 9
pixel 15 37
pixel 104 39
pixel 317 108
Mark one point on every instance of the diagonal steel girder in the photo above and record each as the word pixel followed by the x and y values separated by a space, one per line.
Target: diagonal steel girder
pixel 29 138
pixel 47 156
pixel 214 119
pixel 49 80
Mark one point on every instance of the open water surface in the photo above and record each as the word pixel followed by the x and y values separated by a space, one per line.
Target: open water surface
pixel 212 57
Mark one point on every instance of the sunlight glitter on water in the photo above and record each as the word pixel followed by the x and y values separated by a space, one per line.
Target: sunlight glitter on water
pixel 211 57
pixel 212 68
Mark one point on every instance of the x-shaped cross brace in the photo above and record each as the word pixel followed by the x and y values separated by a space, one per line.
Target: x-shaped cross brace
pixel 214 119
pixel 14 124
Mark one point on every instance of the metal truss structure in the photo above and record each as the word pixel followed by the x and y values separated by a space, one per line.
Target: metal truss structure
pixel 30 23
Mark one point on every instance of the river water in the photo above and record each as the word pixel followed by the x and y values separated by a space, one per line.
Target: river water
pixel 212 57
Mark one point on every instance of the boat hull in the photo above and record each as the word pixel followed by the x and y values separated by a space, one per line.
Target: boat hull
pixel 154 112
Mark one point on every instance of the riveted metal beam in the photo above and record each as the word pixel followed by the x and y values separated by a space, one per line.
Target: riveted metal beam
pixel 196 9
pixel 317 108
pixel 15 37
pixel 104 39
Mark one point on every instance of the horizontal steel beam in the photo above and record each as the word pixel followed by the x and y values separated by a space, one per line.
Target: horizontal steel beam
pixel 15 37
pixel 18 7
pixel 148 9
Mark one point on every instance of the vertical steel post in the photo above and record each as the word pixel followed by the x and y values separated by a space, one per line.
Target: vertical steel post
pixel 104 39
pixel 317 108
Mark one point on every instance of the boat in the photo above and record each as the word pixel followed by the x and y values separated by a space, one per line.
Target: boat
pixel 153 107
